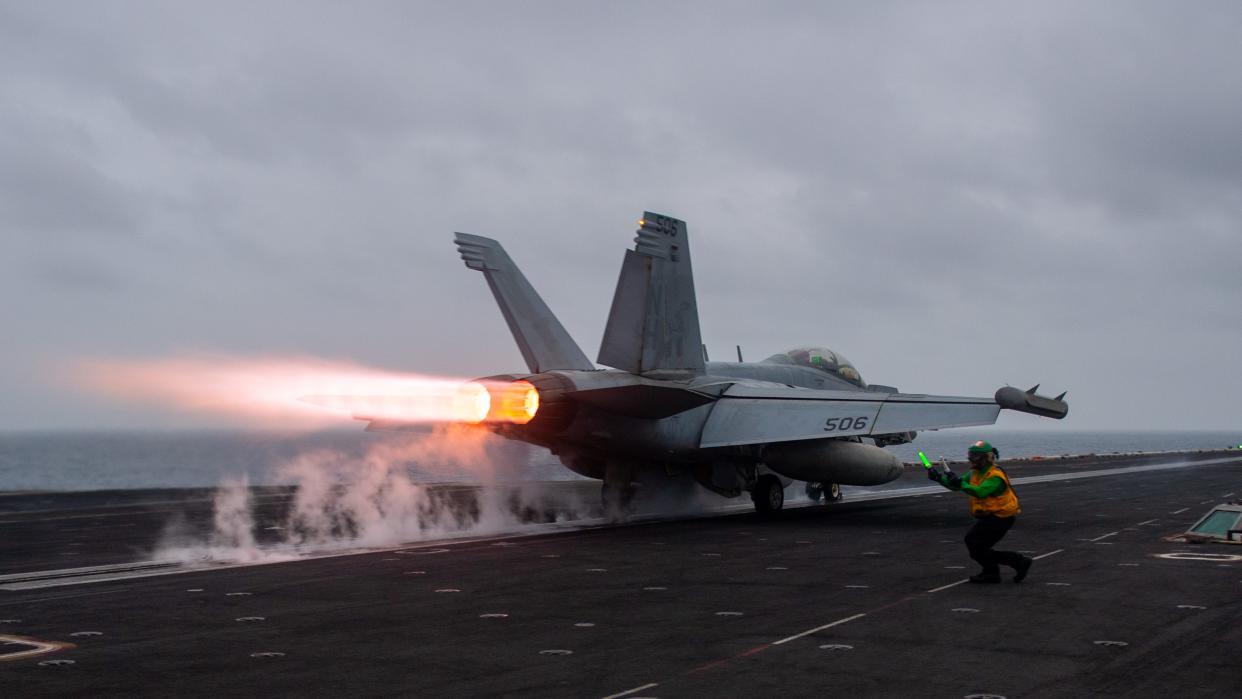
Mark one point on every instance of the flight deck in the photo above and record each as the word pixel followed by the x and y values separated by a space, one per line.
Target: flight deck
pixel 864 597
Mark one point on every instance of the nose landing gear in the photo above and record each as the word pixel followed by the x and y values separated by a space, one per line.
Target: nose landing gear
pixel 818 491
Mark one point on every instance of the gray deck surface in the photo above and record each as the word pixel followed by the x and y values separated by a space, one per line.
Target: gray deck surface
pixel 684 608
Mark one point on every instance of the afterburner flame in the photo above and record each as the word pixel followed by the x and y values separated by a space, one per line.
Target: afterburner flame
pixel 515 402
pixel 298 390
pixel 472 402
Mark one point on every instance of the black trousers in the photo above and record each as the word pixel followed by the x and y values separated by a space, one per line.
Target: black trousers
pixel 987 532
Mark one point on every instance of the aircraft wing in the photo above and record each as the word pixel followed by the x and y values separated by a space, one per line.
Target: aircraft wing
pixel 761 414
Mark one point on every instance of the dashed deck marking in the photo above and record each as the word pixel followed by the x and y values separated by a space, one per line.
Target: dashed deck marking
pixel 760 648
pixel 1195 556
pixel 1099 538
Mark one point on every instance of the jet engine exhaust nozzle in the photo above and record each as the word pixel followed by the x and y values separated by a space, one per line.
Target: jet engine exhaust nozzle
pixel 514 402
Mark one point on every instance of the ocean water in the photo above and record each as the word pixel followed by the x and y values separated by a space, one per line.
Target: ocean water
pixel 125 460
pixel 64 461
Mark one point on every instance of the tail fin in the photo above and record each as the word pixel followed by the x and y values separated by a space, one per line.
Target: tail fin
pixel 654 322
pixel 543 341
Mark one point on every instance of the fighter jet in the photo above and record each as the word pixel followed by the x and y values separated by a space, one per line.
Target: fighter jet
pixel 663 412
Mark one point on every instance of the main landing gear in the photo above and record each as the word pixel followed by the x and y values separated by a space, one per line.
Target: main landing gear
pixel 768 494
pixel 616 500
pixel 817 491
pixel 617 493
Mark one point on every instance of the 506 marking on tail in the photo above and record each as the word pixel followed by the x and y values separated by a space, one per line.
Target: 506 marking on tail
pixel 841 424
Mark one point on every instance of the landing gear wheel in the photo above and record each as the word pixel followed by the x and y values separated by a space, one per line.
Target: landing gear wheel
pixel 814 491
pixel 833 493
pixel 768 495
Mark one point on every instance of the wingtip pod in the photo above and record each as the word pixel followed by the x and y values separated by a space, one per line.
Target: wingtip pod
pixel 1028 401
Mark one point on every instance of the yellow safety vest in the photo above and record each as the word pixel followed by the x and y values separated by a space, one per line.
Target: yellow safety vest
pixel 1003 505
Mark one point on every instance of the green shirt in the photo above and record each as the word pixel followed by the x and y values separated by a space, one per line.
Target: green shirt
pixel 992 486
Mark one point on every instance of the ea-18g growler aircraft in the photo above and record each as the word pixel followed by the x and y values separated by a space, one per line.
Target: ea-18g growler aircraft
pixel 664 412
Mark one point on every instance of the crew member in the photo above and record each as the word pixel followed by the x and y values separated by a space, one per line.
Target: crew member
pixel 995 507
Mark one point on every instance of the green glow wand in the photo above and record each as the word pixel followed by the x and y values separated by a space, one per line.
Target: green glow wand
pixel 926 463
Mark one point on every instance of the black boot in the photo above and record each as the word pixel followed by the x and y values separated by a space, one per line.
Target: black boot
pixel 1023 567
pixel 986 577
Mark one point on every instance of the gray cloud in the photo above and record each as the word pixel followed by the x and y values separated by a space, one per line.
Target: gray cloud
pixel 50 186
pixel 955 195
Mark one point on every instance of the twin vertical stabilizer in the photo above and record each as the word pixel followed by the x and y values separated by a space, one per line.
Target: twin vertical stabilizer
pixel 654 321
pixel 543 341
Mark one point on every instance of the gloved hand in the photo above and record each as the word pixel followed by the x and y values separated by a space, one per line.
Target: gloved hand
pixel 954 481
pixel 933 474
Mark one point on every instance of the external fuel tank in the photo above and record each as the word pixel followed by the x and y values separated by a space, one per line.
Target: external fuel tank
pixel 832 461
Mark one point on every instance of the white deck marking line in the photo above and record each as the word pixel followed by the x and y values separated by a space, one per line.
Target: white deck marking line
pixel 1045 555
pixel 808 632
pixel 628 692
pixel 938 490
pixel 1126 469
pixel 945 587
pixel 36 647
pixel 1147 522
pixel 1099 538
pixel 1227 495
pixel 1178 512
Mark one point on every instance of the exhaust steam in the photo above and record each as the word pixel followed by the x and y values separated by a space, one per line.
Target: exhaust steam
pixel 339 502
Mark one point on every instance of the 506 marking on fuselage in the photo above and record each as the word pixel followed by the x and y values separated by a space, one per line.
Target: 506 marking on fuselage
pixel 842 424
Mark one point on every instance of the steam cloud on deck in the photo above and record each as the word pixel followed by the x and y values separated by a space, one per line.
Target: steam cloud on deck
pixel 341 502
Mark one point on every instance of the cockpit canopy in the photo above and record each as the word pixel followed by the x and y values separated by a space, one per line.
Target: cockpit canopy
pixel 823 359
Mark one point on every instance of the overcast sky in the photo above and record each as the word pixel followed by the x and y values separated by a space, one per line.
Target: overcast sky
pixel 954 195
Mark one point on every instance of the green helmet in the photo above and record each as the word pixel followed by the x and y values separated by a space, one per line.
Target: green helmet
pixel 980 447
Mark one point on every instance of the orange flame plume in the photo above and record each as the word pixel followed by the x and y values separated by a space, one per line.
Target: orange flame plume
pixel 473 402
pixel 298 389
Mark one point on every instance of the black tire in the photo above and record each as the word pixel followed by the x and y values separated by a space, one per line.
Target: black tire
pixel 833 493
pixel 768 495
pixel 814 491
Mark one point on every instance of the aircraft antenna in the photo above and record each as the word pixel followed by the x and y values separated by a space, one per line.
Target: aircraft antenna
pixel 739 354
